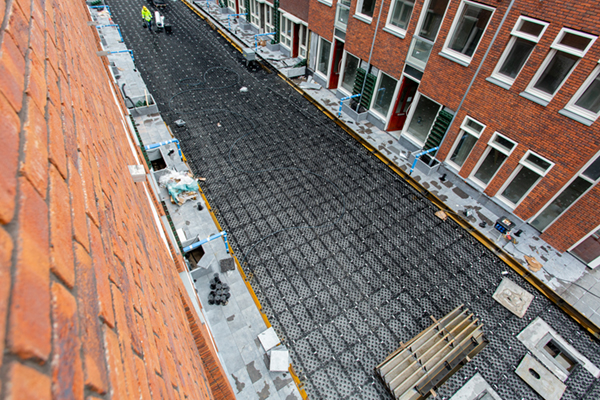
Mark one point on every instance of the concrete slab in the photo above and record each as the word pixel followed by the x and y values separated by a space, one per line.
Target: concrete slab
pixel 268 339
pixel 475 388
pixel 513 297
pixel 540 379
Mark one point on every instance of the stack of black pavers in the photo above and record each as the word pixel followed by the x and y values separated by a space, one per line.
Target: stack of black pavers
pixel 219 292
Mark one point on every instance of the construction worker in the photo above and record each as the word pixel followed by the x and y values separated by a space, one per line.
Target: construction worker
pixel 147 16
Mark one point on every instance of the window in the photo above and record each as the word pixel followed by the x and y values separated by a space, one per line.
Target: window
pixel 342 14
pixel 323 58
pixel 572 192
pixel 467 30
pixel 499 148
pixel 525 35
pixel 563 359
pixel 254 12
pixel 365 8
pixel 231 4
pixel 530 170
pixel 568 47
pixel 286 31
pixel 586 101
pixel 399 15
pixel 384 94
pixel 269 26
pixel 303 32
pixel 350 68
pixel 422 119
pixel 470 130
pixel 426 33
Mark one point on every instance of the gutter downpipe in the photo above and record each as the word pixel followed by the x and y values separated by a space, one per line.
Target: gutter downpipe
pixel 362 91
pixel 478 69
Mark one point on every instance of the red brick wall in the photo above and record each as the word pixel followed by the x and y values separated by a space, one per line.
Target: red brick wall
pixel 299 8
pixel 321 18
pixel 567 143
pixel 90 298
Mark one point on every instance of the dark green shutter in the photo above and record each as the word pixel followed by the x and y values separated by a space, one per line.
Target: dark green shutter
pixel 365 99
pixel 276 22
pixel 442 122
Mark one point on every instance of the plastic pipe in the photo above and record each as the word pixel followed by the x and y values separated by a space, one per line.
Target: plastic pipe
pixel 156 145
pixel 422 153
pixel 229 19
pixel 256 39
pixel 109 25
pixel 195 245
pixel 344 99
pixel 124 51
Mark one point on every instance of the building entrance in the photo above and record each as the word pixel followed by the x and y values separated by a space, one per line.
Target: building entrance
pixel 405 99
pixel 336 64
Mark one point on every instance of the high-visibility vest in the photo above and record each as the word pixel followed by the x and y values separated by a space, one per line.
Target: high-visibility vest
pixel 146 14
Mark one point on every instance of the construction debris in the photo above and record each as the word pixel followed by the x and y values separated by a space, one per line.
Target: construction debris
pixel 534 265
pixel 441 215
pixel 181 186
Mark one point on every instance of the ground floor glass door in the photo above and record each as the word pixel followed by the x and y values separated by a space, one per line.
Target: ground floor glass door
pixel 405 98
pixel 588 251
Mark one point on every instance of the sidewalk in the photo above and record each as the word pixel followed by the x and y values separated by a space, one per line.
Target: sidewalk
pixel 576 284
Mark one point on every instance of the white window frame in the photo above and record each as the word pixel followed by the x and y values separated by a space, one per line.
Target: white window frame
pixel 565 186
pixel 452 54
pixel 491 144
pixel 523 163
pixel 303 46
pixel 516 34
pixel 282 20
pixel 410 116
pixel 556 47
pixel 329 59
pixel 343 72
pixel 255 13
pixel 377 87
pixel 417 37
pixel 231 4
pixel 361 16
pixel 269 22
pixel 579 110
pixel 464 128
pixel 242 6
pixel 393 29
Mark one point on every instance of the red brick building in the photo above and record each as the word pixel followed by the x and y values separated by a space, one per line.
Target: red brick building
pixel 91 301
pixel 508 90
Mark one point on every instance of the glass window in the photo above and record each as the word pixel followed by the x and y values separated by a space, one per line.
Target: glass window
pixel 286 32
pixel 427 30
pixel 468 136
pixel 590 99
pixel 401 12
pixel 323 61
pixel 490 165
pixel 593 171
pixel 468 28
pixel 568 47
pixel 516 58
pixel 556 72
pixel 499 148
pixel 586 101
pixel 432 19
pixel 561 203
pixel 350 69
pixel 366 7
pixel 384 94
pixel 530 170
pixel 342 14
pixel 423 118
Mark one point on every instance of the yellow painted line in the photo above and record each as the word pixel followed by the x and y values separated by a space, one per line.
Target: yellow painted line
pixel 499 252
pixel 298 382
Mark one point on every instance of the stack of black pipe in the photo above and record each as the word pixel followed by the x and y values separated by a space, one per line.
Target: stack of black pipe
pixel 219 292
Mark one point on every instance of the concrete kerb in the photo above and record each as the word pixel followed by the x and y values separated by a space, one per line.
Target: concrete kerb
pixel 581 319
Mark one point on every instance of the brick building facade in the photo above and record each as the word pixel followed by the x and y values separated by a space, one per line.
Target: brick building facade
pixel 91 301
pixel 508 91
